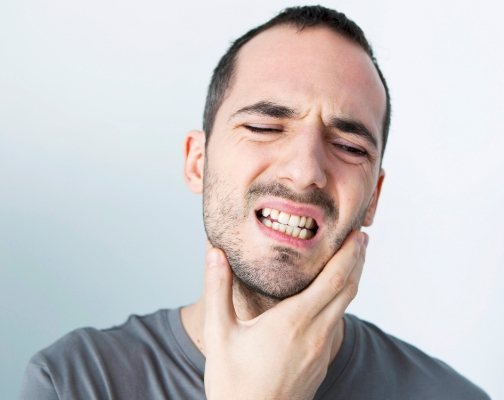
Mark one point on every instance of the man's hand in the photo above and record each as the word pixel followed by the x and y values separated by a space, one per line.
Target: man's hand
pixel 283 353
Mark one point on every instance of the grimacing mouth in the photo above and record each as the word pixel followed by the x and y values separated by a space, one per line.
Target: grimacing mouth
pixel 296 226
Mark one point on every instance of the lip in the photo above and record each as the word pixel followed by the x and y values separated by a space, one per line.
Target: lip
pixel 286 239
pixel 296 209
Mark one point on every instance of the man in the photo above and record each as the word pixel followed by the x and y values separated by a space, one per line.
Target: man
pixel 289 163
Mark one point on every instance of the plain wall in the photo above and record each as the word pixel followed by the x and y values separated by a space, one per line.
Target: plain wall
pixel 96 223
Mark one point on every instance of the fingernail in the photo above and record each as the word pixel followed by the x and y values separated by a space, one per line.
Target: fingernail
pixel 213 257
pixel 365 238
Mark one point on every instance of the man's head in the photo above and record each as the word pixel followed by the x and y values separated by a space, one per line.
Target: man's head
pixel 299 18
pixel 297 135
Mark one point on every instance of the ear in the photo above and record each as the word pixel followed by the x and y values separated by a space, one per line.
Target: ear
pixel 194 154
pixel 373 204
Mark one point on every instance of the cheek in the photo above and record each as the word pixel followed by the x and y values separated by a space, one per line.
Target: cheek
pixel 234 167
pixel 354 188
pixel 244 162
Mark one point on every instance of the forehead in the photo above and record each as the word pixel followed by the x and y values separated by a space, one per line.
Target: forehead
pixel 313 70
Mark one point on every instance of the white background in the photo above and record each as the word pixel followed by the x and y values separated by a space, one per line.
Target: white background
pixel 95 221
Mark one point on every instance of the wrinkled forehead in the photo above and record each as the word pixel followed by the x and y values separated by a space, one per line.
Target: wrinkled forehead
pixel 315 67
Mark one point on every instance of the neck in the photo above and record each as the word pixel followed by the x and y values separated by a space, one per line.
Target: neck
pixel 248 305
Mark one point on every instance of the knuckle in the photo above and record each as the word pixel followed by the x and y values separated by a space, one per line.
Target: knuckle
pixel 351 291
pixel 214 284
pixel 337 282
pixel 318 345
pixel 362 252
pixel 292 323
pixel 356 252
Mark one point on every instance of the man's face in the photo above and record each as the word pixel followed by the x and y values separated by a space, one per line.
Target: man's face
pixel 297 139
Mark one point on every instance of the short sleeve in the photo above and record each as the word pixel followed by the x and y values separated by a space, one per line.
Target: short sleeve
pixel 37 383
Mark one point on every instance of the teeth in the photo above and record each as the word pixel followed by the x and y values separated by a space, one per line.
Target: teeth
pixel 289 230
pixel 266 222
pixel 290 224
pixel 288 219
pixel 294 220
pixel 283 218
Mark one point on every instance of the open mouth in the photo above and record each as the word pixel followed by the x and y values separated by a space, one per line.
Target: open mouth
pixel 297 226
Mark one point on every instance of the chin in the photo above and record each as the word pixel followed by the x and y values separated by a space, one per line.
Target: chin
pixel 276 277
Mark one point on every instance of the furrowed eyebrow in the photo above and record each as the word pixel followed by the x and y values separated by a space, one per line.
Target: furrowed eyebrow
pixel 274 110
pixel 268 109
pixel 354 127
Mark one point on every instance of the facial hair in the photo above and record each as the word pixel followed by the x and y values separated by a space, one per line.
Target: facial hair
pixel 281 273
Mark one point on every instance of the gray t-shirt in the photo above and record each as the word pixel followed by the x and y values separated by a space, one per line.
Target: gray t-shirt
pixel 152 357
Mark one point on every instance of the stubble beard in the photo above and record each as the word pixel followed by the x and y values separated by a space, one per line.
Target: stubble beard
pixel 263 281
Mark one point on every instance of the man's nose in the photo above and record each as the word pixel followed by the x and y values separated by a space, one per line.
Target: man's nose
pixel 302 161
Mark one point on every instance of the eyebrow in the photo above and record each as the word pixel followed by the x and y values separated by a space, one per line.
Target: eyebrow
pixel 268 109
pixel 274 110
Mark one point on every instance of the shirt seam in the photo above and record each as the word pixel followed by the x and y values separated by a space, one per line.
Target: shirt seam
pixel 347 364
pixel 175 339
pixel 47 371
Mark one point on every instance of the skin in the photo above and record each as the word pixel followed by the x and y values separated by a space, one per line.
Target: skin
pixel 294 313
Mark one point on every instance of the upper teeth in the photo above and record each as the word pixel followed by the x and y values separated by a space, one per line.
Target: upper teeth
pixel 288 219
pixel 290 224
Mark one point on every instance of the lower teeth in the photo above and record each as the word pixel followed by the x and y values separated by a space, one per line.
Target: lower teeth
pixel 300 233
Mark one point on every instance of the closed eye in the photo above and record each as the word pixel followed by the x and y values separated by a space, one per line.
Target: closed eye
pixel 261 129
pixel 351 150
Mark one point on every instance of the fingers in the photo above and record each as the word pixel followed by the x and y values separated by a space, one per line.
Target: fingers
pixel 332 280
pixel 219 310
pixel 335 309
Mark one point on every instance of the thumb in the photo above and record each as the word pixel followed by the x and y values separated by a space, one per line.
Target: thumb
pixel 219 310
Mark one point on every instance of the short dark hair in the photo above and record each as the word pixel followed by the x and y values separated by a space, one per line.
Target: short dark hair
pixel 300 18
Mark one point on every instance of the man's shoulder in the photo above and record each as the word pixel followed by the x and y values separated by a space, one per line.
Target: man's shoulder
pixel 102 363
pixel 90 351
pixel 406 367
pixel 119 340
